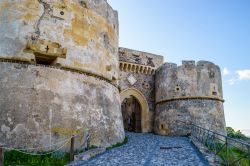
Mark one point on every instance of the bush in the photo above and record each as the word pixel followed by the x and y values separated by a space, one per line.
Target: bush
pixel 236 134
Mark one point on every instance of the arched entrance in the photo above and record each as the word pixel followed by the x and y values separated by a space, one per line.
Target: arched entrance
pixel 131 113
pixel 135 110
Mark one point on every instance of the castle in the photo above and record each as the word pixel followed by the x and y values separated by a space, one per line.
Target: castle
pixel 62 73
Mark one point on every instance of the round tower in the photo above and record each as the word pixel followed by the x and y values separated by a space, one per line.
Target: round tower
pixel 58 73
pixel 188 93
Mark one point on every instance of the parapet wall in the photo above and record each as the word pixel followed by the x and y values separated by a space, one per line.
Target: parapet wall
pixel 188 93
pixel 140 58
pixel 189 80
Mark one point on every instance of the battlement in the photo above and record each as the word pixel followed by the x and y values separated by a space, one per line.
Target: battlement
pixel 140 58
pixel 188 64
pixel 189 92
pixel 61 70
pixel 195 80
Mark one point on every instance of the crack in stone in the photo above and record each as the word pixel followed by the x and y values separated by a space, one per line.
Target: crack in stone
pixel 46 9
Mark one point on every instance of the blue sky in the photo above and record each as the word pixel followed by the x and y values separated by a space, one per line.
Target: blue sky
pixel 213 30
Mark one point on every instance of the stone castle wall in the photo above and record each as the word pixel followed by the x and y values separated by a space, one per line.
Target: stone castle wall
pixel 188 93
pixel 40 105
pixel 141 67
pixel 61 72
pixel 82 35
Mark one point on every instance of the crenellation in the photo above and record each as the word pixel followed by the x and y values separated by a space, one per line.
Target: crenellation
pixel 188 64
pixel 62 73
pixel 140 58
pixel 188 85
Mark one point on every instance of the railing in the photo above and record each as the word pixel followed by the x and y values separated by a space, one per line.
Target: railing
pixel 229 151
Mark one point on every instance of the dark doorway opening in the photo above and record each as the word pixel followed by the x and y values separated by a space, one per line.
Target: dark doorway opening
pixel 131 112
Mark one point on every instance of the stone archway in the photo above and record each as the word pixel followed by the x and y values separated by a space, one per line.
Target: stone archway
pixel 143 105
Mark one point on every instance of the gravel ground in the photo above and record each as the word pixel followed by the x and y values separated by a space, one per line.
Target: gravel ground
pixel 149 150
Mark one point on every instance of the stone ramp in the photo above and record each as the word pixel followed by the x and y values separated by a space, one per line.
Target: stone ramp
pixel 149 150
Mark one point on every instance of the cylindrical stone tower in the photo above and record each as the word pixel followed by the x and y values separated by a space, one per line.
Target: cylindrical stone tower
pixel 58 73
pixel 188 93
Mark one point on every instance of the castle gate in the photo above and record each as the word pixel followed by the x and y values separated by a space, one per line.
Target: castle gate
pixel 135 110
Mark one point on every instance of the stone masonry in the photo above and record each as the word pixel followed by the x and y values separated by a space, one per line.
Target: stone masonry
pixel 133 65
pixel 68 84
pixel 63 73
pixel 188 93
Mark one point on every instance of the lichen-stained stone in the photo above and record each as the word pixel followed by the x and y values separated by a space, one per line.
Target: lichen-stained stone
pixel 188 80
pixel 60 67
pixel 190 93
pixel 140 57
pixel 173 118
pixel 87 29
pixel 41 106
pixel 132 77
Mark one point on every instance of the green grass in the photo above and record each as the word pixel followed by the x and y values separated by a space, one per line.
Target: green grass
pixel 118 144
pixel 13 158
pixel 233 154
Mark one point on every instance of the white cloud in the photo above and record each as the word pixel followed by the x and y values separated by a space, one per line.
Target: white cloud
pixel 232 81
pixel 225 72
pixel 243 74
pixel 240 75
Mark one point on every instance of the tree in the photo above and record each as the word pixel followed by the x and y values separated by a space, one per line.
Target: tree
pixel 236 134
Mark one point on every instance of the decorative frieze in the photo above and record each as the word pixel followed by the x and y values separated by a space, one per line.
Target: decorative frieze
pixel 136 68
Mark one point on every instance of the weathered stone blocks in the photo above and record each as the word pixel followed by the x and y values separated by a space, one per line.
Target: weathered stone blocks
pixel 188 80
pixel 39 106
pixel 173 118
pixel 191 93
pixel 87 29
pixel 132 77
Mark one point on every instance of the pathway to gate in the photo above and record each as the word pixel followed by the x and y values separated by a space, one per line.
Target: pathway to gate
pixel 150 150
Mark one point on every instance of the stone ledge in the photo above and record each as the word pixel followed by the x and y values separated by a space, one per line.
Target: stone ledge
pixel 60 68
pixel 87 155
pixel 191 98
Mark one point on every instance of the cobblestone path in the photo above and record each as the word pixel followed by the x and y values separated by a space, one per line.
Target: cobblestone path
pixel 149 150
